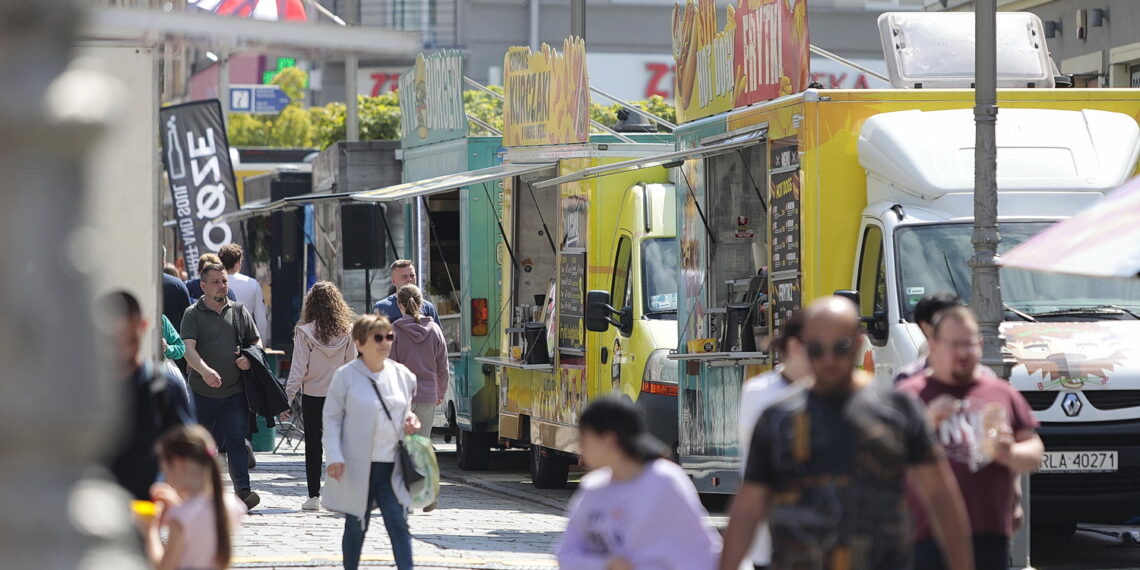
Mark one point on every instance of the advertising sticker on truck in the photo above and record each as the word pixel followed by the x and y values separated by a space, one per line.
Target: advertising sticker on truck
pixel 760 54
pixel 431 99
pixel 1072 355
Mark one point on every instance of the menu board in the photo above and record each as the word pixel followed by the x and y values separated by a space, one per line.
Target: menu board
pixel 785 207
pixel 571 300
pixel 786 298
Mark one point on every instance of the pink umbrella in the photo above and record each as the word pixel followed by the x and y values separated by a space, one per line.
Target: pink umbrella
pixel 292 10
pixel 1102 241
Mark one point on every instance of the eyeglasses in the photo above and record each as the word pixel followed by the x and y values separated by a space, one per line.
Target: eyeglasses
pixel 379 338
pixel 841 347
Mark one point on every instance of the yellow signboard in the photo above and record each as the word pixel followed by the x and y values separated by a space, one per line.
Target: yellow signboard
pixel 546 95
pixel 761 54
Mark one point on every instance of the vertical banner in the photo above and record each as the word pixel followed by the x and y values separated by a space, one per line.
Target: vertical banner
pixel 546 95
pixel 761 53
pixel 431 100
pixel 196 155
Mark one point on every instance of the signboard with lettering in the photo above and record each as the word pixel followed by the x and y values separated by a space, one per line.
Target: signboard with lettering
pixel 760 54
pixel 546 95
pixel 571 300
pixel 784 219
pixel 431 99
pixel 196 155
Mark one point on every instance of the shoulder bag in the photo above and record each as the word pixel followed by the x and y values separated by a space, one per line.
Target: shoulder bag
pixel 413 478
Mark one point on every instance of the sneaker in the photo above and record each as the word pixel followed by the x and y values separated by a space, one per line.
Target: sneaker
pixel 312 504
pixel 250 498
pixel 431 507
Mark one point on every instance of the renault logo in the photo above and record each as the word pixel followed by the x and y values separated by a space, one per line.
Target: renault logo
pixel 1071 403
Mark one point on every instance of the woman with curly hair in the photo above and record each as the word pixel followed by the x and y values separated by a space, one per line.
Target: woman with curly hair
pixel 322 344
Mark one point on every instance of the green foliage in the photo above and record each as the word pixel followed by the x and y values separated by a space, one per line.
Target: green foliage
pixel 485 107
pixel 294 82
pixel 379 117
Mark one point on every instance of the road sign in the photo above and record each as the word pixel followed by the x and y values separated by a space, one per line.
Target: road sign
pixel 264 99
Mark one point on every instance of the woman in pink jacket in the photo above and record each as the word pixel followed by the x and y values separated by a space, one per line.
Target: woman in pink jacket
pixel 322 343
pixel 421 348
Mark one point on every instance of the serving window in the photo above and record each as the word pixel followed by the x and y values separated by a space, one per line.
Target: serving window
pixel 737 184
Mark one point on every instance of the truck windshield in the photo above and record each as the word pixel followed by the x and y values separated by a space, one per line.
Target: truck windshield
pixel 659 277
pixel 934 258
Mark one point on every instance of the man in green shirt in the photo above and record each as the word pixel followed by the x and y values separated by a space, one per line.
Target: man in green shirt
pixel 214 329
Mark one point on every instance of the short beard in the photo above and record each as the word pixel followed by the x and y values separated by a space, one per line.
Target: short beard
pixel 221 299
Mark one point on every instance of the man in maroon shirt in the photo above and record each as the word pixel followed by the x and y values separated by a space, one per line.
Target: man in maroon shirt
pixel 987 431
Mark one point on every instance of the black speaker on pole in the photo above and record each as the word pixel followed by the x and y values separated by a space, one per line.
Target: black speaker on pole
pixel 363 236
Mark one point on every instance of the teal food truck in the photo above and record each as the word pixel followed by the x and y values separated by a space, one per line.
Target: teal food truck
pixel 450 200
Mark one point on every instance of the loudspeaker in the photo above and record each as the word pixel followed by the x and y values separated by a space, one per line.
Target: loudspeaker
pixel 363 236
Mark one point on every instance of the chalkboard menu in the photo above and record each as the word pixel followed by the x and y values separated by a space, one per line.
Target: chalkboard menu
pixel 571 300
pixel 784 206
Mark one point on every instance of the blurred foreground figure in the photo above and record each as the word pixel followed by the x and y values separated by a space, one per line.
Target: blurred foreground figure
pixel 827 465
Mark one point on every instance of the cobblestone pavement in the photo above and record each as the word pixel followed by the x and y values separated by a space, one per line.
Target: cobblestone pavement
pixel 483 522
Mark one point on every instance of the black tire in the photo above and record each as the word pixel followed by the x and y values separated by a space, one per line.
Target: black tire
pixel 472 451
pixel 547 469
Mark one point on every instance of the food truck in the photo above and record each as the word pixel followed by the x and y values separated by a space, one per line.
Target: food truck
pixel 806 192
pixel 449 200
pixel 562 240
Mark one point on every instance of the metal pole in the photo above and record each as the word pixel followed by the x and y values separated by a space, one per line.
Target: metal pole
pixel 351 64
pixel 986 286
pixel 56 414
pixel 534 25
pixel 578 18
pixel 224 81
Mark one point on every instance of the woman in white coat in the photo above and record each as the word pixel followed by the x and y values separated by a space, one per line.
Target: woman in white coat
pixel 367 411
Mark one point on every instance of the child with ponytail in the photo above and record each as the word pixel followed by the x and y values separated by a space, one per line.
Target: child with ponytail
pixel 199 515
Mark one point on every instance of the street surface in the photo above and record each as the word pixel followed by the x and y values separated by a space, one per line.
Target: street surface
pixel 495 520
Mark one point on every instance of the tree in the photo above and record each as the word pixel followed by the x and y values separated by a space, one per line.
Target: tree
pixel 379 116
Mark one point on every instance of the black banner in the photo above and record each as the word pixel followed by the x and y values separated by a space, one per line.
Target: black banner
pixel 196 155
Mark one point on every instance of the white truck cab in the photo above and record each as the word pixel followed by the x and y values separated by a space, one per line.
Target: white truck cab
pixel 1076 340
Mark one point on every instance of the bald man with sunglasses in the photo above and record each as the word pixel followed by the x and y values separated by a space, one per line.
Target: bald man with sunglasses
pixel 827 464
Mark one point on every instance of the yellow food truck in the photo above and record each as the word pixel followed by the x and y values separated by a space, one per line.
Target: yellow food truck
pixel 614 234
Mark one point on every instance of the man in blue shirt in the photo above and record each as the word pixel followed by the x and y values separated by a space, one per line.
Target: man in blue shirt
pixel 403 273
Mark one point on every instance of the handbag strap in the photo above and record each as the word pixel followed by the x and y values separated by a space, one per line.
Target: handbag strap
pixel 379 397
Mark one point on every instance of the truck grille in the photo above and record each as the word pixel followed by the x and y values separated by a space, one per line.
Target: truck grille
pixel 1112 399
pixel 1079 441
pixel 1040 401
pixel 1085 484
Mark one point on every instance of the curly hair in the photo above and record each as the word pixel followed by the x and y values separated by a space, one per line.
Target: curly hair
pixel 325 307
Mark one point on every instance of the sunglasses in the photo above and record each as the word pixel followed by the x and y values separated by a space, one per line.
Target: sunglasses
pixel 842 347
pixel 379 338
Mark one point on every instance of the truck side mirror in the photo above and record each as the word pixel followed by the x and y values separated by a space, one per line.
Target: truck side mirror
pixel 849 294
pixel 599 312
pixel 877 325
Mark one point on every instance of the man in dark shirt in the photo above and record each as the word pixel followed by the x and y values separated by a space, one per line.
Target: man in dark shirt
pixel 155 402
pixel 175 297
pixel 403 273
pixel 214 328
pixel 987 430
pixel 827 463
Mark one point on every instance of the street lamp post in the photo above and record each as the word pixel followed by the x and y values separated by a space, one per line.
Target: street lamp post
pixel 985 293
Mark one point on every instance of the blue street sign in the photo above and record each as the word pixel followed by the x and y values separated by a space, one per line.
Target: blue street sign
pixel 264 99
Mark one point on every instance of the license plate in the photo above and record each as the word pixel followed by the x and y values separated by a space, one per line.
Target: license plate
pixel 1079 462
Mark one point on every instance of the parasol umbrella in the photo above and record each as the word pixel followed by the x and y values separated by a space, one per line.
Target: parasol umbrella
pixel 1102 241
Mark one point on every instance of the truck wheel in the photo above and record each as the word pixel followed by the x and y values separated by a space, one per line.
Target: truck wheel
pixel 472 451
pixel 547 469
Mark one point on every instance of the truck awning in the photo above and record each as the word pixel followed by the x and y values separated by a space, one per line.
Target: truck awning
pixel 267 206
pixel 450 182
pixel 668 159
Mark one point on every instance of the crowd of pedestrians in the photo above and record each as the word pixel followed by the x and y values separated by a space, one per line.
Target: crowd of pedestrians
pixel 837 471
